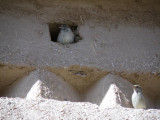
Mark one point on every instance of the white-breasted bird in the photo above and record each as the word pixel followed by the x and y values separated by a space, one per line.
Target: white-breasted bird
pixel 66 36
pixel 138 100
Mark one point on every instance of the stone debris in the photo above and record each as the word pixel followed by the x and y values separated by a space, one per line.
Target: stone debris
pixel 44 109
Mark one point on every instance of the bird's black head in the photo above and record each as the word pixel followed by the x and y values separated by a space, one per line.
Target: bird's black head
pixel 137 88
pixel 65 28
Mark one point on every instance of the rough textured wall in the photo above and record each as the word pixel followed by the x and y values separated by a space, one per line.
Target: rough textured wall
pixel 117 34
pixel 42 84
pixel 111 11
pixel 26 41
pixel 11 73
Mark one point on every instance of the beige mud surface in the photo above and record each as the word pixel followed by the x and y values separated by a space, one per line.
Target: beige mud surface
pixel 135 12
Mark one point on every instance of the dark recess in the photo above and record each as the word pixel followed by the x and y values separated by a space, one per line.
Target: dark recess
pixel 54 31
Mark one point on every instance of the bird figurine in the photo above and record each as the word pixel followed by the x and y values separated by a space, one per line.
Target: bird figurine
pixel 138 100
pixel 66 36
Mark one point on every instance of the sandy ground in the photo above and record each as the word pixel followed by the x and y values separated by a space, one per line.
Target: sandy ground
pixel 42 109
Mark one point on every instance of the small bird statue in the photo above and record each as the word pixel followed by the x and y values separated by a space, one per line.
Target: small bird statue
pixel 138 99
pixel 66 36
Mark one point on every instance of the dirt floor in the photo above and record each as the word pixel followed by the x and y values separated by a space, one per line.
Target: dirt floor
pixel 42 109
